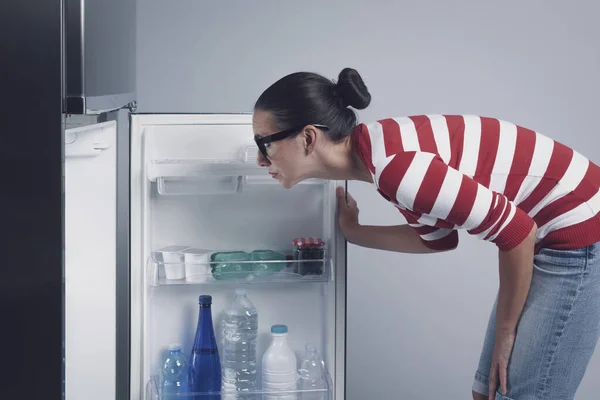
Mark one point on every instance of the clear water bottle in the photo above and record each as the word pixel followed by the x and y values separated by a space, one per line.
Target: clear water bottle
pixel 240 330
pixel 175 369
pixel 312 375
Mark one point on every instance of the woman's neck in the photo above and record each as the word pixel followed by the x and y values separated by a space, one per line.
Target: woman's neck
pixel 340 162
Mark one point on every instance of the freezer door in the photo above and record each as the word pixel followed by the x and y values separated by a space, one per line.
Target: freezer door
pixel 90 253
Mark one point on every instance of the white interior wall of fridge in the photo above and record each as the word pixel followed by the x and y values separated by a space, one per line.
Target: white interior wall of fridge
pixel 90 253
pixel 195 183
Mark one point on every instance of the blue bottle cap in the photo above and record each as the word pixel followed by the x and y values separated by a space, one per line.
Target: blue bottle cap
pixel 205 300
pixel 279 329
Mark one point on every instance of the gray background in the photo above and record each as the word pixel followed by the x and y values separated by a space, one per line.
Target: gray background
pixel 415 323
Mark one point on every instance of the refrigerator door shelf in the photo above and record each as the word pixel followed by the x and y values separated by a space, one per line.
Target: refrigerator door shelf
pixel 153 392
pixel 206 177
pixel 201 168
pixel 250 272
pixel 210 185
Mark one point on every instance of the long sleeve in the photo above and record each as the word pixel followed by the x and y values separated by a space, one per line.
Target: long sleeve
pixel 434 195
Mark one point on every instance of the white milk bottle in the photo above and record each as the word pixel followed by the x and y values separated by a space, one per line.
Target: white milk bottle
pixel 279 368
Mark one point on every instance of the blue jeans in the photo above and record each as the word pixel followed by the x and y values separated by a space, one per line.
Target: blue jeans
pixel 558 329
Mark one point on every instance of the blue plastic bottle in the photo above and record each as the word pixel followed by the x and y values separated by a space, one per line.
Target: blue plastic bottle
pixel 175 370
pixel 205 366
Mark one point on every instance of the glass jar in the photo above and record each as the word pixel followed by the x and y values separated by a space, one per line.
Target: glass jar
pixel 310 254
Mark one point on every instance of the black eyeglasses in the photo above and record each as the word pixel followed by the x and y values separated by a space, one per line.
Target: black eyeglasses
pixel 263 141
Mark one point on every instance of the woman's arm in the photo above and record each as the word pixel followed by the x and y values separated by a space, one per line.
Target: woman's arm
pixel 515 269
pixel 400 238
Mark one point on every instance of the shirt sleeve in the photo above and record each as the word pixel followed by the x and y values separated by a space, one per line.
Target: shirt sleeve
pixel 422 183
pixel 436 238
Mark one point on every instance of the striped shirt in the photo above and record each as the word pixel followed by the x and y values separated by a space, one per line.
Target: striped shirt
pixel 487 176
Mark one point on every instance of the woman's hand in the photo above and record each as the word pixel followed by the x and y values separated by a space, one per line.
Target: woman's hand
pixel 347 213
pixel 500 358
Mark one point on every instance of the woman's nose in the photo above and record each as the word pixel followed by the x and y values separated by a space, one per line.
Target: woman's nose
pixel 261 160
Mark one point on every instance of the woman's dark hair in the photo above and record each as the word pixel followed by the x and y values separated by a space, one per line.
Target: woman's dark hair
pixel 304 98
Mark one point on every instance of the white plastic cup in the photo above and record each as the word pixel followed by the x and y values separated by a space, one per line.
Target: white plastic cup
pixel 171 258
pixel 197 265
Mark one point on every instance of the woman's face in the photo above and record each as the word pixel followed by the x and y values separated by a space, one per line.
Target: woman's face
pixel 288 160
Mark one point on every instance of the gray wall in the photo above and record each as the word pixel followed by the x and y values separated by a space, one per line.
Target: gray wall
pixel 416 323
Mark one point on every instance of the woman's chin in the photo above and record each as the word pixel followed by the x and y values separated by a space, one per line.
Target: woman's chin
pixel 287 184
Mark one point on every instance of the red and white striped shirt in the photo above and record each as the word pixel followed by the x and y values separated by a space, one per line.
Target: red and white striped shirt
pixel 488 176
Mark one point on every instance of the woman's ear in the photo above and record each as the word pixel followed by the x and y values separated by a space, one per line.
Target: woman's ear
pixel 309 139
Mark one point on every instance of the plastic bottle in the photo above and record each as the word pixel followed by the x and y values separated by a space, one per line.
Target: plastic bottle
pixel 279 367
pixel 240 330
pixel 205 366
pixel 175 370
pixel 312 375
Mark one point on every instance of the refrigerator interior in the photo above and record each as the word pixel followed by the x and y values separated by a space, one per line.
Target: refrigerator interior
pixel 90 253
pixel 195 183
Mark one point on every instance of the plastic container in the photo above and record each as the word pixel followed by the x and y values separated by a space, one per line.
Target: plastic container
pixel 279 366
pixel 197 265
pixel 239 328
pixel 268 267
pixel 175 373
pixel 171 258
pixel 312 374
pixel 226 265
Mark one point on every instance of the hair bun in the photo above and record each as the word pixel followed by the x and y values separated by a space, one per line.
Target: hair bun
pixel 352 89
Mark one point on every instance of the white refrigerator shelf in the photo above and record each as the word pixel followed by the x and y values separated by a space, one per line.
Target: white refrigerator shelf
pixel 170 168
pixel 205 273
pixel 210 176
pixel 153 392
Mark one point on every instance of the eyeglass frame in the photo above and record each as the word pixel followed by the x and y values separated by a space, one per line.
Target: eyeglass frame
pixel 281 135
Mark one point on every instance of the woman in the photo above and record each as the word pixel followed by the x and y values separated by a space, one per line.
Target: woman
pixel 535 198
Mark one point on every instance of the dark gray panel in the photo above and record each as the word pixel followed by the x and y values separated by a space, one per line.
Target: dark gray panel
pixel 123 301
pixel 101 58
pixel 31 200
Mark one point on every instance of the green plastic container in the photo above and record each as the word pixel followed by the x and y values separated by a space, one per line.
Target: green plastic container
pixel 228 266
pixel 266 268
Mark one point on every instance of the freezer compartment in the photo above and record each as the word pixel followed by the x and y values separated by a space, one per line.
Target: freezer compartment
pixel 153 392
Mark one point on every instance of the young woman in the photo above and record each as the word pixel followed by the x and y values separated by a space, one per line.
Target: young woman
pixel 535 198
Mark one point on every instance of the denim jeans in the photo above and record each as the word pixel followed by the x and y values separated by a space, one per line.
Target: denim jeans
pixel 558 329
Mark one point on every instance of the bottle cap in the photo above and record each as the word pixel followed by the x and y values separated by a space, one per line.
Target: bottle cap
pixel 205 300
pixel 279 329
pixel 174 346
pixel 240 292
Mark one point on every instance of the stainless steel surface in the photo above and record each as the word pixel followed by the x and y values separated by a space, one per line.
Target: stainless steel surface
pixel 31 284
pixel 123 276
pixel 100 55
pixel 340 311
pixel 123 322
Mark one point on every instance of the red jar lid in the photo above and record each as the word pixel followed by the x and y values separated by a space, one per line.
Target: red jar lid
pixel 309 242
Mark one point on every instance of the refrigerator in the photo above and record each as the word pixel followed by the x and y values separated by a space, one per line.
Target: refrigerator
pixel 137 184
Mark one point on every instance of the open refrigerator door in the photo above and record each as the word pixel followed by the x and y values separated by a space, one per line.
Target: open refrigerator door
pixel 208 223
pixel 90 261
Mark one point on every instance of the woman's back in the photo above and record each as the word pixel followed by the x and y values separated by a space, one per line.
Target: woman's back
pixel 555 185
